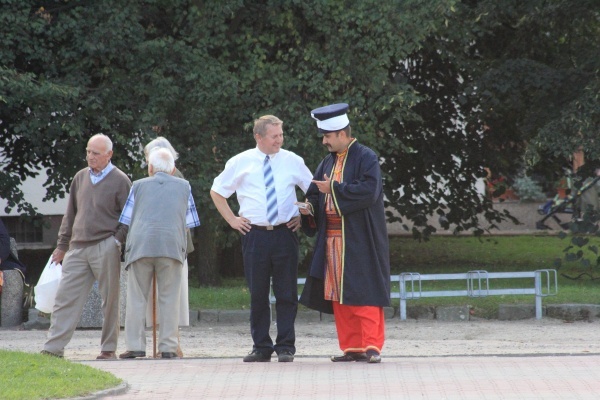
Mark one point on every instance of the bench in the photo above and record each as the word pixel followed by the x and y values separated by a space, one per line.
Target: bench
pixel 272 300
pixel 477 284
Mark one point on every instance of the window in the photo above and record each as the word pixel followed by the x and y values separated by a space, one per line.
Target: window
pixel 25 230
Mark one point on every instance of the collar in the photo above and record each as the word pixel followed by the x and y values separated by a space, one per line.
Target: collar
pixel 343 153
pixel 105 171
pixel 263 155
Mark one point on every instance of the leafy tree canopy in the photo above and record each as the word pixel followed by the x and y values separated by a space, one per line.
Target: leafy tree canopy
pixel 440 89
pixel 537 80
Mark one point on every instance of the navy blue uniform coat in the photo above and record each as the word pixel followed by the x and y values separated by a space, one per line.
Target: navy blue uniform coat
pixel 9 261
pixel 358 199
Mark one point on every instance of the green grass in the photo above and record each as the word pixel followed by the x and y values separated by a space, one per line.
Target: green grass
pixel 35 376
pixel 450 254
pixel 231 295
pixel 460 254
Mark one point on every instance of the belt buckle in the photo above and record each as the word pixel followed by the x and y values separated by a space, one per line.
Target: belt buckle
pixel 269 227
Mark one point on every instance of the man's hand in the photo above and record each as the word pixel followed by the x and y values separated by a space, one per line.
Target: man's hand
pixel 240 224
pixel 57 256
pixel 324 185
pixel 304 208
pixel 295 223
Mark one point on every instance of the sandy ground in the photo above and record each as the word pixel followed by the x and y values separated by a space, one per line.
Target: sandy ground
pixel 403 339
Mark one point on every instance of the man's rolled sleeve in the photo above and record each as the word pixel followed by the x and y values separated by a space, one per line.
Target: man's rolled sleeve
pixel 225 184
pixel 125 217
pixel 191 216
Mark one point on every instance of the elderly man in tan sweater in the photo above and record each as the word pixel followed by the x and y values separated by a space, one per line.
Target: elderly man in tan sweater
pixel 89 247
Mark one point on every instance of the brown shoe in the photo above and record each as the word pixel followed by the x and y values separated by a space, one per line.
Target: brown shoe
pixel 107 355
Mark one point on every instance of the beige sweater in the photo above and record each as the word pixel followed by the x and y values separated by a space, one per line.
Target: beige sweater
pixel 93 211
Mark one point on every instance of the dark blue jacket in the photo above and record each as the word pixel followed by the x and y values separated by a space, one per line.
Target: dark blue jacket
pixel 358 199
pixel 9 261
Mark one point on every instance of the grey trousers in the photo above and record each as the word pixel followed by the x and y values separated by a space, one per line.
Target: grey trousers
pixel 139 283
pixel 81 268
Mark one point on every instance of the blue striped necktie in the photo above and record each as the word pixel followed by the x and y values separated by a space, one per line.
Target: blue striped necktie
pixel 271 195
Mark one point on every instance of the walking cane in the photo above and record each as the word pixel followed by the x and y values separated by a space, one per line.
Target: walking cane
pixel 154 315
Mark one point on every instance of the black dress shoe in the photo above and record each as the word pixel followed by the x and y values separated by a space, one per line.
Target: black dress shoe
pixel 373 357
pixel 257 356
pixel 348 357
pixel 168 354
pixel 285 356
pixel 132 354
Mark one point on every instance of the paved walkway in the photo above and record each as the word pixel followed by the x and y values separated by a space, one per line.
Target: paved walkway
pixel 491 377
pixel 530 359
pixel 422 359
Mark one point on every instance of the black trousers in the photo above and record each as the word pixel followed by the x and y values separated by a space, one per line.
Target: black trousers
pixel 273 254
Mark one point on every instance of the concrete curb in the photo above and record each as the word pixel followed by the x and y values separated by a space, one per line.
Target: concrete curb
pixel 506 312
pixel 116 391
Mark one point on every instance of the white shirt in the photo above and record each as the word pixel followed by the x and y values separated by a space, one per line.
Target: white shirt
pixel 243 174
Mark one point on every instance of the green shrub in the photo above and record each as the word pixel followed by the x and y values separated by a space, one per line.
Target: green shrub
pixel 527 189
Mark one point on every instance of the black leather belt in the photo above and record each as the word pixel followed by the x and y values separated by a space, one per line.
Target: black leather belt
pixel 268 227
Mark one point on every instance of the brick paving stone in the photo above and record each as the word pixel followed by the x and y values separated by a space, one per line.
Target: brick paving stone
pixel 464 378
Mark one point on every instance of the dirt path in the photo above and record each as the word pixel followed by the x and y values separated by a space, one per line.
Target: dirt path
pixel 409 338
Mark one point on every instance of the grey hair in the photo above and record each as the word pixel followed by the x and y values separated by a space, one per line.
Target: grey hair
pixel 106 139
pixel 162 160
pixel 162 143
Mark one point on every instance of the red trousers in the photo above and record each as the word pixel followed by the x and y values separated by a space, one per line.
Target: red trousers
pixel 359 328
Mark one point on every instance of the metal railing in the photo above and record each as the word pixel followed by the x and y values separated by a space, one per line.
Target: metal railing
pixel 477 284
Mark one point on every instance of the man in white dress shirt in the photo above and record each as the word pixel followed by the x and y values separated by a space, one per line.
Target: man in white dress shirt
pixel 265 180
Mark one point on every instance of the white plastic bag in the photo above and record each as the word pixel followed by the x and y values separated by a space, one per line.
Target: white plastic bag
pixel 47 286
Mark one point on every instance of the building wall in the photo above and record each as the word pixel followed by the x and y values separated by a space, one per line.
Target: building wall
pixel 53 211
